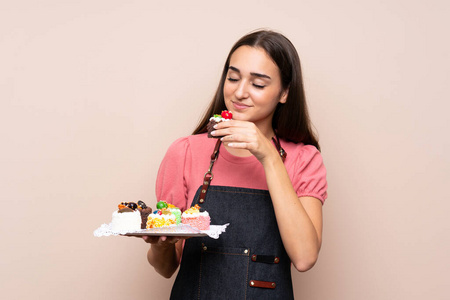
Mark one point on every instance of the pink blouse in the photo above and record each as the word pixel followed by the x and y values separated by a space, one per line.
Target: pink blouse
pixel 187 160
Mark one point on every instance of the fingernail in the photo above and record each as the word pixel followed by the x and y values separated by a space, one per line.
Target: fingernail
pixel 213 132
pixel 215 126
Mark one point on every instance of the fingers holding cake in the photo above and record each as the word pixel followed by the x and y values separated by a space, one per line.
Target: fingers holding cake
pixel 241 129
pixel 216 119
pixel 244 135
pixel 227 129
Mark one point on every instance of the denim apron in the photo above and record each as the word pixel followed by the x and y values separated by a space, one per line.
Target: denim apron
pixel 248 261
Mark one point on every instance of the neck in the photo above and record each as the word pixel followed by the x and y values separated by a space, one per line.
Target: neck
pixel 266 129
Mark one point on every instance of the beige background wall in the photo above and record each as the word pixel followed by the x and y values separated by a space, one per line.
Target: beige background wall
pixel 93 92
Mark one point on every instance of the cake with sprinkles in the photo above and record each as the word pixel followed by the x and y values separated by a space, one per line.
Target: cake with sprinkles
pixel 132 217
pixel 165 215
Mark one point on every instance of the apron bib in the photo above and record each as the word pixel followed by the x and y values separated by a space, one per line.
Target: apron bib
pixel 248 261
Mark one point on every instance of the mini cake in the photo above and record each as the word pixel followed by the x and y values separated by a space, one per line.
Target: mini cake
pixel 160 218
pixel 126 220
pixel 195 218
pixel 130 217
pixel 172 208
pixel 224 116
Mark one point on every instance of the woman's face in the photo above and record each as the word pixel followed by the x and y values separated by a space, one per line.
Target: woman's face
pixel 252 87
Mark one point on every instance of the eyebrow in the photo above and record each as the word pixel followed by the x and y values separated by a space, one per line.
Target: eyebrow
pixel 252 73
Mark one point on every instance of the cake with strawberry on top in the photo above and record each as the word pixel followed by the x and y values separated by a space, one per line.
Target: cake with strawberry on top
pixel 223 117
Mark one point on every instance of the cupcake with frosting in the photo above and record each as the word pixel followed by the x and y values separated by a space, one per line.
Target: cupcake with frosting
pixel 223 117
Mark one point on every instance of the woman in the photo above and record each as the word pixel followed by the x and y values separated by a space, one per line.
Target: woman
pixel 273 202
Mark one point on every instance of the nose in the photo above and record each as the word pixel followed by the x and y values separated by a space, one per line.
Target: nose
pixel 241 91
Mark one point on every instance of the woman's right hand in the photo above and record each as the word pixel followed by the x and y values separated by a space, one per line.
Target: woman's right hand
pixel 161 241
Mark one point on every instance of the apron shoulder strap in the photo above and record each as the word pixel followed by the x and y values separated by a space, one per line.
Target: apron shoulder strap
pixel 215 154
pixel 209 175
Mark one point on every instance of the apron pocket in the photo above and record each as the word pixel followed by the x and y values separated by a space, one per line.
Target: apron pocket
pixel 223 271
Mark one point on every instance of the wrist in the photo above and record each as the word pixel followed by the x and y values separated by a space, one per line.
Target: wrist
pixel 272 159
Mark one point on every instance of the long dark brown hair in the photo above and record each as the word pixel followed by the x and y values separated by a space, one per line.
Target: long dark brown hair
pixel 291 120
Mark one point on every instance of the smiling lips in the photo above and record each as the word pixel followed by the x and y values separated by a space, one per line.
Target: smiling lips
pixel 238 105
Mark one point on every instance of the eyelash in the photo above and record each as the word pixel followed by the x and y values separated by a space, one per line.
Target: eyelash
pixel 255 85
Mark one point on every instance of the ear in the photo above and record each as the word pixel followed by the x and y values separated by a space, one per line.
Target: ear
pixel 283 96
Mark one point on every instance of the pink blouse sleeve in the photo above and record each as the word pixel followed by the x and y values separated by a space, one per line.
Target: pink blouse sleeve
pixel 311 174
pixel 170 182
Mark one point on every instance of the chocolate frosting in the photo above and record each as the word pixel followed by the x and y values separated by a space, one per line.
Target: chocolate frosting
pixel 144 216
pixel 210 127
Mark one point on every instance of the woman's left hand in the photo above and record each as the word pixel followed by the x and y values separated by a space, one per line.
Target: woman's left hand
pixel 245 135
